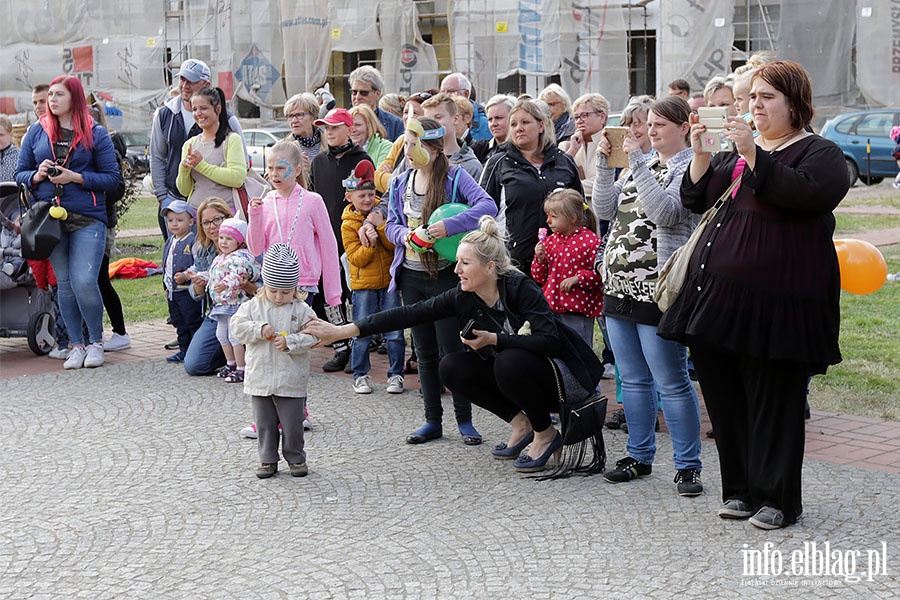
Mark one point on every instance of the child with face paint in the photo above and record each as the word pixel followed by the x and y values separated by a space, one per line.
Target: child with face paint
pixel 297 217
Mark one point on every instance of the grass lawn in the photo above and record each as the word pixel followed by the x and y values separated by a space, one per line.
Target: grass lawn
pixel 849 224
pixel 141 215
pixel 142 299
pixel 867 383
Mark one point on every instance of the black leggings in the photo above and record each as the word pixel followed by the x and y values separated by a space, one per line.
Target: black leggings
pixel 514 381
pixel 110 298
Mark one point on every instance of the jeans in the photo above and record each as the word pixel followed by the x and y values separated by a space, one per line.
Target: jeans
pixel 76 261
pixel 580 324
pixel 204 354
pixel 433 341
pixel 370 302
pixel 186 317
pixel 643 358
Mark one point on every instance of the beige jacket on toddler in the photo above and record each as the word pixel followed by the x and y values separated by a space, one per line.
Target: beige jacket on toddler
pixel 270 371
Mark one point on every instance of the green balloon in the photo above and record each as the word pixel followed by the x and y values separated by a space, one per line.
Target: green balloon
pixel 446 247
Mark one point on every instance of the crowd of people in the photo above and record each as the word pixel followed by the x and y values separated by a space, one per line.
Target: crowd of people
pixel 502 236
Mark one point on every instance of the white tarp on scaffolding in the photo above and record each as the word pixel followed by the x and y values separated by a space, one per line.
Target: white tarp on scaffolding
pixel 491 40
pixel 594 47
pixel 408 63
pixel 112 47
pixel 694 40
pixel 819 35
pixel 878 52
pixel 306 31
pixel 354 25
pixel 481 34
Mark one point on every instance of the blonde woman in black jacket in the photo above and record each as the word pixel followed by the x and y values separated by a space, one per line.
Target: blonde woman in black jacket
pixel 510 333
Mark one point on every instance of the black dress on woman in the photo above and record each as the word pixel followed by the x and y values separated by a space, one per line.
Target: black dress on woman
pixel 760 310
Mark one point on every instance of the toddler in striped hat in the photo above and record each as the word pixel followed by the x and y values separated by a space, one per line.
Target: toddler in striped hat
pixel 277 372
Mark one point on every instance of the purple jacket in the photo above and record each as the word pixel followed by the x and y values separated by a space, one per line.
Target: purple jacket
pixel 460 187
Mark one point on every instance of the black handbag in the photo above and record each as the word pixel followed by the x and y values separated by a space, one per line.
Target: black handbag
pixel 581 426
pixel 40 232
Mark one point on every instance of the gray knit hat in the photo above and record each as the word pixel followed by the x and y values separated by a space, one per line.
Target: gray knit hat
pixel 281 267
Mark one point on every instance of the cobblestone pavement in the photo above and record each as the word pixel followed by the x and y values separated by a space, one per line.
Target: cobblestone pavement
pixel 131 481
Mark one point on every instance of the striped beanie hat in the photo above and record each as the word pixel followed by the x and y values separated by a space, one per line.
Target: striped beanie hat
pixel 281 267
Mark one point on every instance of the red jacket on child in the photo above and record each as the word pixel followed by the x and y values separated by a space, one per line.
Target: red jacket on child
pixel 567 256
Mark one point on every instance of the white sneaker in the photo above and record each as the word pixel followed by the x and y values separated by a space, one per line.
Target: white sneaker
pixel 361 385
pixel 117 342
pixel 94 357
pixel 609 371
pixel 307 426
pixel 891 277
pixel 250 431
pixel 395 384
pixel 59 353
pixel 76 358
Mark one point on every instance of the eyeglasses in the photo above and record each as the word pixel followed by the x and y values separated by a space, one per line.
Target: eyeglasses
pixel 583 116
pixel 363 93
pixel 297 115
pixel 216 221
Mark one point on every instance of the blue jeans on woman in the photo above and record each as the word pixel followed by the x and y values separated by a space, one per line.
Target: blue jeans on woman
pixel 76 261
pixel 204 354
pixel 643 358
pixel 370 302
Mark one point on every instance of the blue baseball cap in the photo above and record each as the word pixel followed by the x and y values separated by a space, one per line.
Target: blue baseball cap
pixel 194 70
pixel 179 206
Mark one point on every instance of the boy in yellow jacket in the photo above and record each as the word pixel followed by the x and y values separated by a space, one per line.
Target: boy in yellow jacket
pixel 369 255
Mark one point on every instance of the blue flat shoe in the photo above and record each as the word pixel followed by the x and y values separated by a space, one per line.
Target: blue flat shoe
pixel 426 433
pixel 526 464
pixel 503 452
pixel 178 357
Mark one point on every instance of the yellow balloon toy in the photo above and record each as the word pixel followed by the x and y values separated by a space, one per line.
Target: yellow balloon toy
pixel 58 212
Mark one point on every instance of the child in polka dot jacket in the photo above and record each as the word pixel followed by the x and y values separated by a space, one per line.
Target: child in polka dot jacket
pixel 563 262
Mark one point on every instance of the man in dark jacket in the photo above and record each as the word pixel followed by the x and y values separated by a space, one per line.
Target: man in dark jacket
pixel 328 171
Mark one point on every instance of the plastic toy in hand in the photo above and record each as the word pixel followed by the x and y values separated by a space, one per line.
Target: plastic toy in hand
pixel 421 240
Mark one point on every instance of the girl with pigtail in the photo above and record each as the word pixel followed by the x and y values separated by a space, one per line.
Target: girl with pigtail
pixel 564 262
pixel 420 273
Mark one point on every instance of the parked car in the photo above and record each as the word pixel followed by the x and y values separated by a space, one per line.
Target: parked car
pixel 259 140
pixel 138 155
pixel 856 131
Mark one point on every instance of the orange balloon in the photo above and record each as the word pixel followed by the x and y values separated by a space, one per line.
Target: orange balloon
pixel 863 268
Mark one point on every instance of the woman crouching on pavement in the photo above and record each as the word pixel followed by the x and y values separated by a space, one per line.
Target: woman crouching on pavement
pixel 509 332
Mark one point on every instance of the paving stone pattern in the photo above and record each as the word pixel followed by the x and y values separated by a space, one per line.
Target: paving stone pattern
pixel 131 481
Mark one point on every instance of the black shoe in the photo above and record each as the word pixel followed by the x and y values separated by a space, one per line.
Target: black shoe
pixel 412 366
pixel 172 345
pixel 711 433
pixel 348 369
pixel 626 470
pixel 337 362
pixel 382 347
pixel 689 483
pixel 616 420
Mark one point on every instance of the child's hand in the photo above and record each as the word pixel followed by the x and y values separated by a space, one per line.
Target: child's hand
pixel 363 233
pixel 438 230
pixel 180 278
pixel 372 235
pixel 539 252
pixel 220 287
pixel 255 202
pixel 569 284
pixel 267 332
pixel 280 343
pixel 375 218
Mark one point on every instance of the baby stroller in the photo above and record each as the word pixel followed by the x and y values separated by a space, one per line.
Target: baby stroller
pixel 25 310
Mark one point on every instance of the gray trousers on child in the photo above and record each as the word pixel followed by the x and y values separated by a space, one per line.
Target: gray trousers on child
pixel 269 411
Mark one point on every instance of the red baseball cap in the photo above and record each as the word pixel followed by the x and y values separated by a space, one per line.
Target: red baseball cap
pixel 336 116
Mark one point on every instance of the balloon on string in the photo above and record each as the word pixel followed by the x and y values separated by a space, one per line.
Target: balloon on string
pixel 863 268
pixel 446 247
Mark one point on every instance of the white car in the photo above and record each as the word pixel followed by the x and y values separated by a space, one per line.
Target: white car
pixel 259 141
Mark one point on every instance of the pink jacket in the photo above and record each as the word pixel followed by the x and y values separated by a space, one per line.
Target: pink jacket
pixel 312 239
